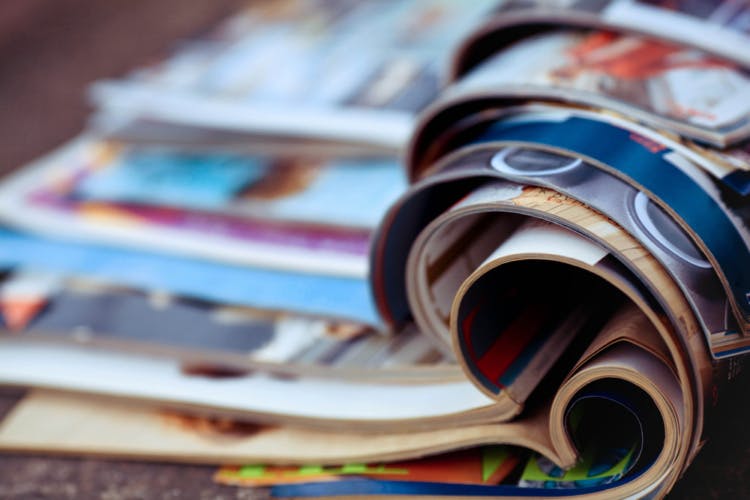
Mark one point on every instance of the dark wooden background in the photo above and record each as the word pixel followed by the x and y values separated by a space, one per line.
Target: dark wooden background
pixel 49 51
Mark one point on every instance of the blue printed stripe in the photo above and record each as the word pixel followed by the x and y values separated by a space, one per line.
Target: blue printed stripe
pixel 224 283
pixel 351 487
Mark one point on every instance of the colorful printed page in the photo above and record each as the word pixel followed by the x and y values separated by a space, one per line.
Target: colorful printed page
pixel 717 26
pixel 498 477
pixel 85 311
pixel 337 192
pixel 312 216
pixel 488 465
pixel 333 296
pixel 629 73
pixel 597 467
pixel 343 70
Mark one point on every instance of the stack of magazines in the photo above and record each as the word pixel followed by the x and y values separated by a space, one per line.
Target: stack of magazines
pixel 498 248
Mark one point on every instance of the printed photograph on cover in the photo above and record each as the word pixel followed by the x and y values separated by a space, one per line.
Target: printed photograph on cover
pixel 661 78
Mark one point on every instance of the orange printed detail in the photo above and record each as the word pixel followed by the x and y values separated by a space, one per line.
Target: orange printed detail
pixel 18 313
pixel 689 112
pixel 647 143
pixel 628 58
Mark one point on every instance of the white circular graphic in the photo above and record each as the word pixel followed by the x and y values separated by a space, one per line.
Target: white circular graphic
pixel 532 162
pixel 658 226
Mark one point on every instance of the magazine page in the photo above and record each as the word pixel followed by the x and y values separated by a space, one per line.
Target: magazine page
pixel 719 28
pixel 309 401
pixel 252 209
pixel 669 86
pixel 263 288
pixel 206 335
pixel 351 71
pixel 96 425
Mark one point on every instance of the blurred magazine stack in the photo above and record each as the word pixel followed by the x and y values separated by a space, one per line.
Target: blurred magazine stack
pixel 410 248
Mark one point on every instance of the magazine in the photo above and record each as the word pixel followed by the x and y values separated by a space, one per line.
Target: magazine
pixel 667 86
pixel 238 208
pixel 718 27
pixel 352 72
pixel 565 274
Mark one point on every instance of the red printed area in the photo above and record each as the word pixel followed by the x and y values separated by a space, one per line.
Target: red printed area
pixel 509 344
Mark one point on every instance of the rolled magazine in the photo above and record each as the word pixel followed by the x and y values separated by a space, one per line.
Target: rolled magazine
pixel 567 275
pixel 577 244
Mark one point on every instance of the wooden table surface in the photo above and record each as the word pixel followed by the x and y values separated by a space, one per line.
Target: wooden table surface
pixel 49 51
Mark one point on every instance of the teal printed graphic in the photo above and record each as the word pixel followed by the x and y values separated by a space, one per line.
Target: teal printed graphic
pixel 197 180
pixel 352 192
